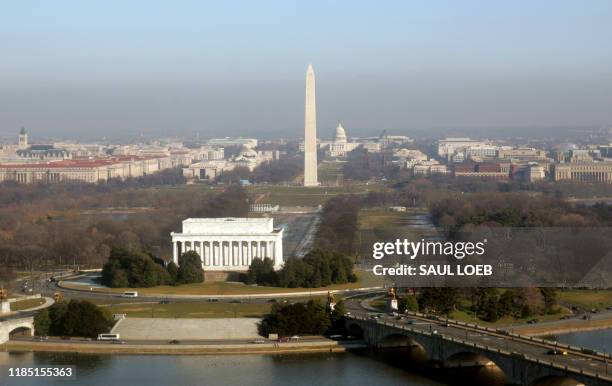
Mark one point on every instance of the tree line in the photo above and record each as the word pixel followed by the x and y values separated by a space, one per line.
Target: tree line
pixel 339 225
pixel 75 318
pixel 273 172
pixel 319 268
pixel 56 228
pixel 489 304
pixel 309 318
pixel 137 269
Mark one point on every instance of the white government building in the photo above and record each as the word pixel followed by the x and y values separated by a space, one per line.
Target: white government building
pixel 229 243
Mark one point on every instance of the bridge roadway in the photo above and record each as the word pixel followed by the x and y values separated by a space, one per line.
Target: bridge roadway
pixel 587 361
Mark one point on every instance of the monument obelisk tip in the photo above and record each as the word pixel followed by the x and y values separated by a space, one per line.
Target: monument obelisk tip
pixel 310 131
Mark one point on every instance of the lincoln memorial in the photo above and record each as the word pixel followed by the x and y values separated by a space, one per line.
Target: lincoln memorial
pixel 230 243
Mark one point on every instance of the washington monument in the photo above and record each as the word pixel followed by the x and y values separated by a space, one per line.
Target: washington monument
pixel 310 131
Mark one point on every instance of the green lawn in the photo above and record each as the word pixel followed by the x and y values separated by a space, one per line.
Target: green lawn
pixel 587 299
pixel 370 219
pixel 25 304
pixel 468 317
pixel 190 310
pixel 312 196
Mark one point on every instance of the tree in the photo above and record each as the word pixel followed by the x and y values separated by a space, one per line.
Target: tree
pixel 408 303
pixel 506 304
pixel 42 322
pixel 490 310
pixel 261 272
pixel 77 318
pixel 133 268
pixel 440 300
pixel 299 318
pixel 550 300
pixel 190 268
pixel 337 318
pixel 172 273
pixel 530 301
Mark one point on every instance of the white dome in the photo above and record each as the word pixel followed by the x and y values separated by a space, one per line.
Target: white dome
pixel 340 134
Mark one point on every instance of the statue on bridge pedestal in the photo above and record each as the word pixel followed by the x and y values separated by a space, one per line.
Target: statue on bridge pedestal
pixel 331 302
pixel 391 300
pixel 6 306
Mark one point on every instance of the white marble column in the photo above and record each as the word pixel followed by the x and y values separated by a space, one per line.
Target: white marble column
pixel 206 248
pixel 249 252
pixel 234 247
pixel 174 253
pixel 215 252
pixel 240 257
pixel 278 253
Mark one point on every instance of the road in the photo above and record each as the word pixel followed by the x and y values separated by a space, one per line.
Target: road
pixel 207 342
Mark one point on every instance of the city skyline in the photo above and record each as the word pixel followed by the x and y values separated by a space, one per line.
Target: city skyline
pixel 196 67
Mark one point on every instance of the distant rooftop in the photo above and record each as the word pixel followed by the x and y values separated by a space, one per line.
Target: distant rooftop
pixel 228 225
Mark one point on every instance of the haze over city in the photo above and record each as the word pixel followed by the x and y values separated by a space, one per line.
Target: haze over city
pixel 83 70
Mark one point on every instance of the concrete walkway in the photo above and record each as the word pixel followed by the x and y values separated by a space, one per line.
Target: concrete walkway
pixel 186 329
pixel 48 303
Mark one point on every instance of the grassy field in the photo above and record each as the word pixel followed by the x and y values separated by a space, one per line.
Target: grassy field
pixel 190 310
pixel 370 219
pixel 464 316
pixel 301 196
pixel 25 304
pixel 587 299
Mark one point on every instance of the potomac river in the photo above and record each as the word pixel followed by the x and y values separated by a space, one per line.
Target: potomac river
pixel 184 370
pixel 333 369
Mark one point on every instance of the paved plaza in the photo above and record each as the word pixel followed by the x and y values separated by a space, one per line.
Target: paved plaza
pixel 187 329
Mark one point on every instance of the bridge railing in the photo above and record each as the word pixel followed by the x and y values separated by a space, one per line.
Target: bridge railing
pixel 566 368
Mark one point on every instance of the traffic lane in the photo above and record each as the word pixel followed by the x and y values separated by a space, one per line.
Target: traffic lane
pixel 67 292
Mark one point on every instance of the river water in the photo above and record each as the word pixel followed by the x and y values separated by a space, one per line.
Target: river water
pixel 252 370
pixel 600 340
pixel 183 370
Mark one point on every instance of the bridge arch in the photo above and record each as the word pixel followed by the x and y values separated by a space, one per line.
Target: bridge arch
pixel 475 368
pixel 403 350
pixel 14 327
pixel 555 380
pixel 354 329
pixel 21 331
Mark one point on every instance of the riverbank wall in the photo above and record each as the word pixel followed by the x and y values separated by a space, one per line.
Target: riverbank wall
pixel 181 349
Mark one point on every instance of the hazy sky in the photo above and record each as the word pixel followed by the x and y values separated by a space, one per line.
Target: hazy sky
pixel 88 68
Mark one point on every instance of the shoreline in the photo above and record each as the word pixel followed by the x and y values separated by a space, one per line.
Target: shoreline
pixel 185 349
pixel 561 330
